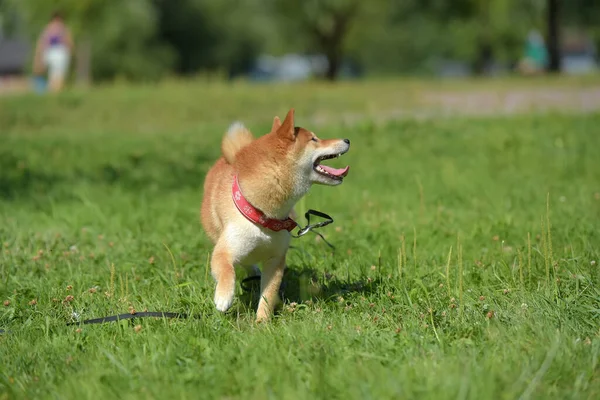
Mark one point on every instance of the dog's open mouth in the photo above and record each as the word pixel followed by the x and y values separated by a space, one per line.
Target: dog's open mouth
pixel 330 172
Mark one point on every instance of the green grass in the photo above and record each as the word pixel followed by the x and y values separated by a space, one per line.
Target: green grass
pixel 433 290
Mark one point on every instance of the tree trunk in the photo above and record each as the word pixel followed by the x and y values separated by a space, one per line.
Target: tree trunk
pixel 333 65
pixel 331 41
pixel 485 58
pixel 553 36
pixel 83 61
pixel 485 51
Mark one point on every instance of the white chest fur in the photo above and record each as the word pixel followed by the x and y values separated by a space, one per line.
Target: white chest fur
pixel 251 244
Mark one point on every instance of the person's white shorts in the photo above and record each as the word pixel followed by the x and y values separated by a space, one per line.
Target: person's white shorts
pixel 57 61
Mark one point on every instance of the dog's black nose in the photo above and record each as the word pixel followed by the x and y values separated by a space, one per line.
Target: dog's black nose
pixel 347 141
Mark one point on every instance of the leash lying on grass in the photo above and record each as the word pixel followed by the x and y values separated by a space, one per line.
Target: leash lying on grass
pixel 166 314
pixel 119 317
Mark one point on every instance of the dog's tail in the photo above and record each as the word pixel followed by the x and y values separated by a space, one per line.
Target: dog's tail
pixel 237 137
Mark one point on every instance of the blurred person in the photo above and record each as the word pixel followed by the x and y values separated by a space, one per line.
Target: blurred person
pixel 536 55
pixel 53 53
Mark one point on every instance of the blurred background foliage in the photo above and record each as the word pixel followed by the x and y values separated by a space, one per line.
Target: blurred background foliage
pixel 150 39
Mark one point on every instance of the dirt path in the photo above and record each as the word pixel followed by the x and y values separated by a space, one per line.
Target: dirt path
pixel 515 101
pixel 447 103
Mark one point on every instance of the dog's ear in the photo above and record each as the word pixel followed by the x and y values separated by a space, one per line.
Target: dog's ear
pixel 276 124
pixel 287 127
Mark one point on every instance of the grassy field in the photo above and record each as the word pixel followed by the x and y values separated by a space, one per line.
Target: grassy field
pixel 467 261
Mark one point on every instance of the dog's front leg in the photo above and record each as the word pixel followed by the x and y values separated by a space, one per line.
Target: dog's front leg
pixel 222 270
pixel 269 287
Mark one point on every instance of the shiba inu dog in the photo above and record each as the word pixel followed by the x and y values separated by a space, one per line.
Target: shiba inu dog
pixel 249 195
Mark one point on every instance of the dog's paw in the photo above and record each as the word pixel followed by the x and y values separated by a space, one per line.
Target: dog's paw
pixel 223 300
pixel 262 319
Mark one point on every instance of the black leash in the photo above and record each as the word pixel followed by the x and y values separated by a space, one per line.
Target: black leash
pixel 121 317
pixel 160 314
pixel 309 227
pixel 143 314
pixel 244 281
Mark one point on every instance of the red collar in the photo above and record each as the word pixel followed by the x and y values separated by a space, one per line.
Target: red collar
pixel 253 214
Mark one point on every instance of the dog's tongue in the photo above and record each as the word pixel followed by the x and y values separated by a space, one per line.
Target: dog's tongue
pixel 336 171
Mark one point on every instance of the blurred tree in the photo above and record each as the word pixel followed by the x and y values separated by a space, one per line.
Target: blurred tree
pixel 582 15
pixel 9 19
pixel 210 35
pixel 584 12
pixel 191 31
pixel 553 35
pixel 321 25
pixel 126 42
pixel 417 35
pixel 146 39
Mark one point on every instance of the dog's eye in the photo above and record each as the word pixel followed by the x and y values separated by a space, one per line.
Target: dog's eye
pixel 314 139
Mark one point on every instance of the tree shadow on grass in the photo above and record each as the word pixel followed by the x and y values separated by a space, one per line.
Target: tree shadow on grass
pixel 16 178
pixel 303 284
pixel 136 171
pixel 139 170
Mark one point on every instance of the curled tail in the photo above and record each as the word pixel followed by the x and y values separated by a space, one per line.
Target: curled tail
pixel 237 137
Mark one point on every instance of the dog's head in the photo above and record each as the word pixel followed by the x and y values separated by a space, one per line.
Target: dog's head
pixel 305 152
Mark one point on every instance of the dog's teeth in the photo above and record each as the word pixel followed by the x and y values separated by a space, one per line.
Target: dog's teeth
pixel 321 170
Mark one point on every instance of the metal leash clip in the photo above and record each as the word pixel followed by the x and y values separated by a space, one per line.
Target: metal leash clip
pixel 309 227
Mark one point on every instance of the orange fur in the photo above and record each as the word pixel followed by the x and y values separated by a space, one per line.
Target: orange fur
pixel 274 172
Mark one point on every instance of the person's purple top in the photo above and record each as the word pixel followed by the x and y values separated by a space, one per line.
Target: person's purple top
pixel 55 40
pixel 55 35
